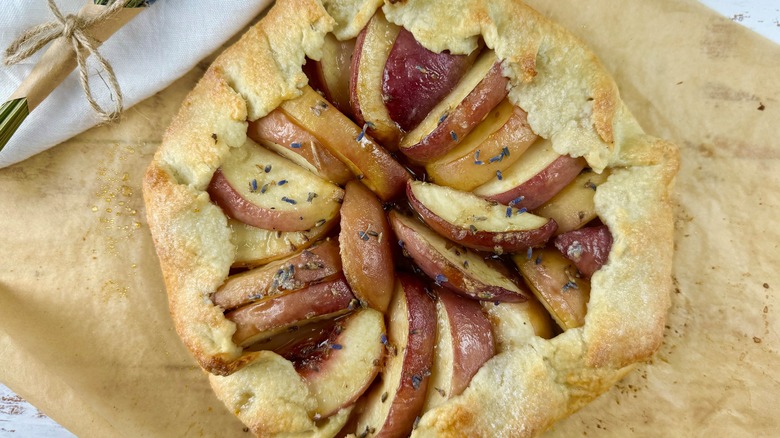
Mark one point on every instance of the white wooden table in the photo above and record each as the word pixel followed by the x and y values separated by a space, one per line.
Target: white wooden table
pixel 21 419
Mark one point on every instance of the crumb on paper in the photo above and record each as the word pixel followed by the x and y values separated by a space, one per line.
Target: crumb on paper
pixel 116 207
pixel 115 200
pixel 112 289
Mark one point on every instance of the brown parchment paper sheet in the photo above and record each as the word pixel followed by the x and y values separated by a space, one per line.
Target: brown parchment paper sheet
pixel 84 328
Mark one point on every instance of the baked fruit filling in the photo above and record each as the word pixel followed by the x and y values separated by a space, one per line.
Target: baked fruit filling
pixel 389 216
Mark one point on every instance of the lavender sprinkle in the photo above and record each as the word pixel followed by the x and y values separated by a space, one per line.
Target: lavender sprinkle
pixel 516 201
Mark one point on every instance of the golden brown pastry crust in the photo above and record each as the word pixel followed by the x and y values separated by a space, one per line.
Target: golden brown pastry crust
pixel 569 97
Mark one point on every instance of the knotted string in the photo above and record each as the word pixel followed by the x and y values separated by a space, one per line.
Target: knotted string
pixel 74 29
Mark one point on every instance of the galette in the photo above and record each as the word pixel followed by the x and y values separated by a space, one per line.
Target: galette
pixel 411 217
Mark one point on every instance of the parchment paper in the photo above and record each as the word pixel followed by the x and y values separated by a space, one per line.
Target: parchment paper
pixel 84 328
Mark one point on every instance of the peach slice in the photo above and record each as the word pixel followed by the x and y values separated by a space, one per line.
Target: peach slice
pixel 275 314
pixel 264 190
pixel 493 146
pixel 573 206
pixel 280 134
pixel 476 223
pixel 372 164
pixel 556 283
pixel 310 266
pixel 392 405
pixel 536 177
pixel 454 266
pixel 256 246
pixel 372 48
pixel 366 247
pixel 416 79
pixel 340 361
pixel 587 247
pixel 464 342
pixel 331 73
pixel 481 89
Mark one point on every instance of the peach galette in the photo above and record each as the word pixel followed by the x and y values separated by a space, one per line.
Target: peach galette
pixel 417 217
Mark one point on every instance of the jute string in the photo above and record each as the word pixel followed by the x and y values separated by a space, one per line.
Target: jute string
pixel 74 29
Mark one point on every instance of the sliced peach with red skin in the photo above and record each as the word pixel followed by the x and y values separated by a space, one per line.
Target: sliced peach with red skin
pixel 588 248
pixel 296 272
pixel 573 207
pixel 277 132
pixel 369 161
pixel 273 315
pixel 464 342
pixel 366 247
pixel 372 49
pixel 492 147
pixel 264 190
pixel 392 405
pixel 478 92
pixel 532 180
pixel 453 266
pixel 340 361
pixel 556 283
pixel 331 73
pixel 415 79
pixel 476 223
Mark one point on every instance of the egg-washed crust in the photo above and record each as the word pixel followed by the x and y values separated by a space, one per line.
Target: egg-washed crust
pixel 569 97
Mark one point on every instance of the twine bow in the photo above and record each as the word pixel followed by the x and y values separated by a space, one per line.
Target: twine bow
pixel 74 29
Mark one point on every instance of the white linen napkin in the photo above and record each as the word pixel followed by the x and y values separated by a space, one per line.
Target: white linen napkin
pixel 155 48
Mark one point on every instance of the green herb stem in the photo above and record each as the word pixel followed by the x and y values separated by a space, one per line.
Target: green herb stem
pixel 12 114
pixel 129 4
